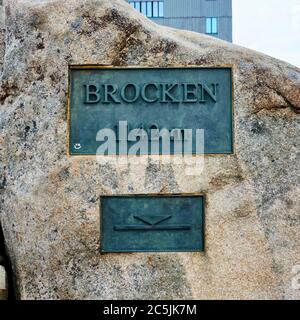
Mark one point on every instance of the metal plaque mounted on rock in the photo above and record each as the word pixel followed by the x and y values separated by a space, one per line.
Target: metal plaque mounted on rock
pixel 134 103
pixel 150 223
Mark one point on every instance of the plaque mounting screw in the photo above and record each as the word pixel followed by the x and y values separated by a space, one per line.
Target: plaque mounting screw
pixel 77 146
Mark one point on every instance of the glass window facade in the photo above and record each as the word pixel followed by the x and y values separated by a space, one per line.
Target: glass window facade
pixel 151 9
pixel 211 25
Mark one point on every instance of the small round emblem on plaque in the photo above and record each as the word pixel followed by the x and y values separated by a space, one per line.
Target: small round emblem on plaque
pixel 77 146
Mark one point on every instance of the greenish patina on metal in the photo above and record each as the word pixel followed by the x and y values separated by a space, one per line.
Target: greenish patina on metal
pixel 172 99
pixel 152 223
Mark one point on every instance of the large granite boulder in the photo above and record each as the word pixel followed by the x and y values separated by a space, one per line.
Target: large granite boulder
pixel 50 201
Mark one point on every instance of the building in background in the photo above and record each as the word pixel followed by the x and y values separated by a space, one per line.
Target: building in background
pixel 212 17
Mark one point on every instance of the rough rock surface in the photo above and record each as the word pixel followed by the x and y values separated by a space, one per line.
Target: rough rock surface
pixel 50 202
pixel 2 34
pixel 3 282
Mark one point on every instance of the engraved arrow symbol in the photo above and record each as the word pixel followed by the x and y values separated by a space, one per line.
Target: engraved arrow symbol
pixel 152 220
pixel 152 224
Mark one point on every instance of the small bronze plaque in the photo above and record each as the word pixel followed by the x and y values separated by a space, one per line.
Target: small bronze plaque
pixel 150 223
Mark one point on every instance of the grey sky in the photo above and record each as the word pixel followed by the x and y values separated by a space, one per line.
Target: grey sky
pixel 269 26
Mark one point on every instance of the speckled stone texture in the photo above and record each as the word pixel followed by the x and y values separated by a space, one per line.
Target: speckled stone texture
pixel 50 202
pixel 3 284
pixel 2 35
